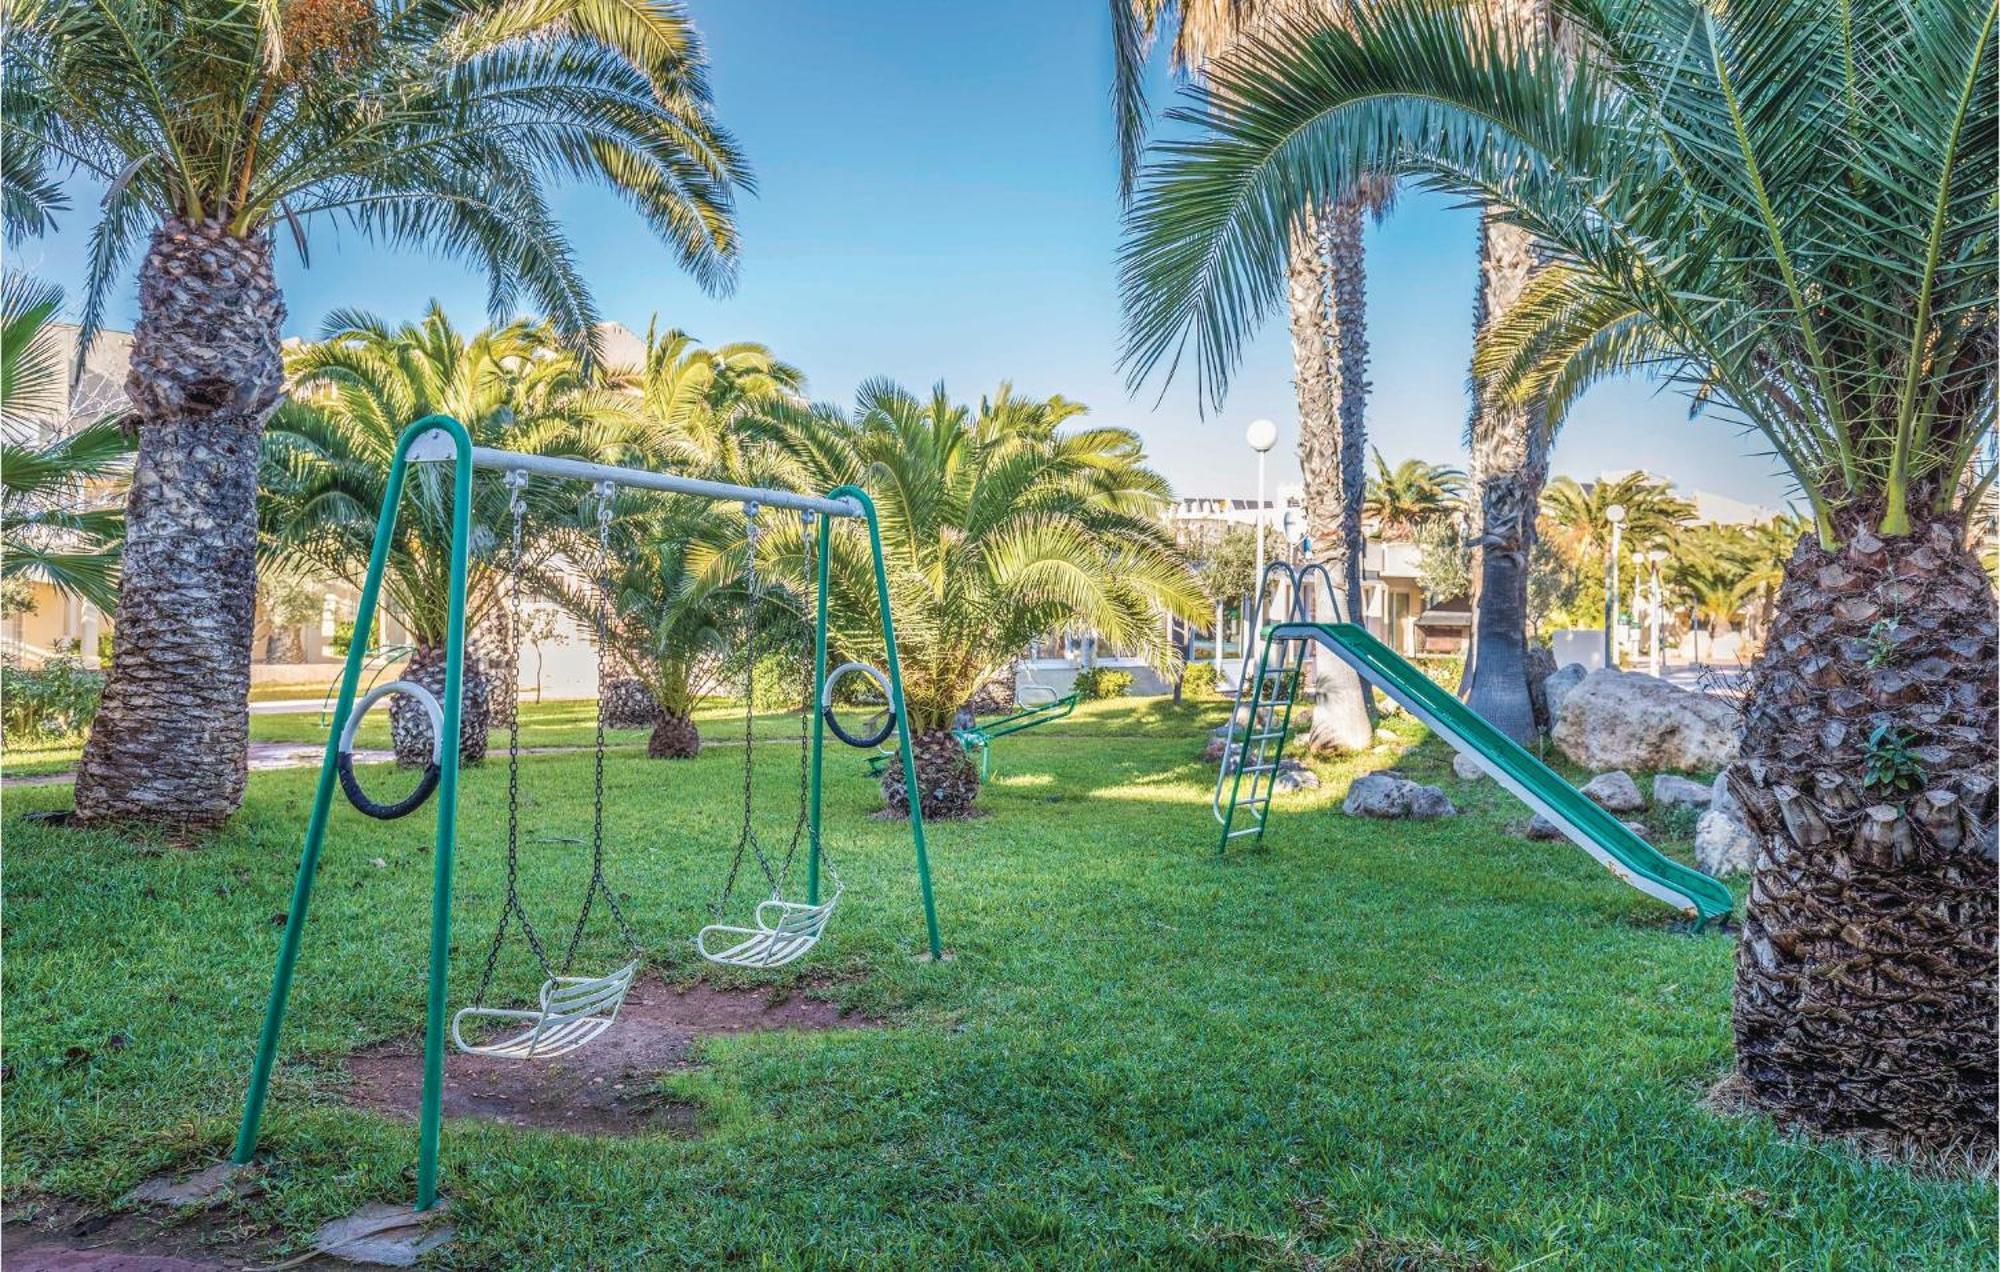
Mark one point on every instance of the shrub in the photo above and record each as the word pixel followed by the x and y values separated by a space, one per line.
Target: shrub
pixel 343 636
pixel 1445 670
pixel 780 684
pixel 55 701
pixel 1199 680
pixel 1096 683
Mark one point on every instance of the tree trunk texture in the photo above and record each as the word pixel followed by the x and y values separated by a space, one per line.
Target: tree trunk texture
pixel 410 724
pixel 171 741
pixel 1865 978
pixel 675 737
pixel 1325 290
pixel 947 778
pixel 491 646
pixel 1510 465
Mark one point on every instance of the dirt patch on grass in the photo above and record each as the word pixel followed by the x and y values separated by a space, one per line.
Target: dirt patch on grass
pixel 611 1086
pixel 62 1239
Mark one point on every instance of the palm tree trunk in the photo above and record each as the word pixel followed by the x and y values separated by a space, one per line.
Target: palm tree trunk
pixel 1510 464
pixel 674 737
pixel 947 778
pixel 410 725
pixel 1328 363
pixel 171 741
pixel 1866 973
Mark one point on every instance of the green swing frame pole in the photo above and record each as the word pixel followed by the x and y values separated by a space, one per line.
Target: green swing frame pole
pixel 447 810
pixel 911 786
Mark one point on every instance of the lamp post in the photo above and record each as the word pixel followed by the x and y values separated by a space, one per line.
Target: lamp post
pixel 1654 557
pixel 1615 514
pixel 1262 436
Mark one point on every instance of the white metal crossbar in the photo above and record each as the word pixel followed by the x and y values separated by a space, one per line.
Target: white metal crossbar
pixel 574 1010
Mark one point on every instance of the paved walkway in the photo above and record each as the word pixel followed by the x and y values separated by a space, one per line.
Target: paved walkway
pixel 263 756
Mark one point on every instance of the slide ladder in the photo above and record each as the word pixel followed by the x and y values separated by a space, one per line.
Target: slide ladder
pixel 1261 718
pixel 1582 822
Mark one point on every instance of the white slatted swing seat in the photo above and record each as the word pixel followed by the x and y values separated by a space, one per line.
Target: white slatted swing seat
pixel 785 931
pixel 574 1010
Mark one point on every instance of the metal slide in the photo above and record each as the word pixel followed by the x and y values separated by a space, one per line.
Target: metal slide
pixel 1538 786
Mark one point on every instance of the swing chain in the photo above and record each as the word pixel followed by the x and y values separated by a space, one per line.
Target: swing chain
pixel 746 837
pixel 606 493
pixel 517 508
pixel 808 707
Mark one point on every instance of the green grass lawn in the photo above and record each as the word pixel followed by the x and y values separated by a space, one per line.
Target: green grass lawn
pixel 1398 1039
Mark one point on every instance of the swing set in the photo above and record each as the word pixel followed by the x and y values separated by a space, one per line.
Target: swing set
pixel 572 1009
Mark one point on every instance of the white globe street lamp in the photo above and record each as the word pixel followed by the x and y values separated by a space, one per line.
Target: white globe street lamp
pixel 1262 436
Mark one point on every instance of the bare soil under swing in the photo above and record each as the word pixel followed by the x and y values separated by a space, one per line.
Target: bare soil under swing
pixel 610 1087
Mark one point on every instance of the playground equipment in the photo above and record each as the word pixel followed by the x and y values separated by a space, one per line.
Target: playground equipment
pixel 570 1010
pixel 783 930
pixel 1631 859
pixel 978 737
pixel 1262 713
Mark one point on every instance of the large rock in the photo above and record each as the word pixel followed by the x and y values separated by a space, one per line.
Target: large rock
pixel 1723 845
pixel 1385 794
pixel 1723 800
pixel 1556 688
pixel 1615 792
pixel 1629 720
pixel 1669 790
pixel 1466 768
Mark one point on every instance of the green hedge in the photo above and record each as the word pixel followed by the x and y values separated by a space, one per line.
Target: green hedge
pixel 1102 682
pixel 55 701
pixel 1199 681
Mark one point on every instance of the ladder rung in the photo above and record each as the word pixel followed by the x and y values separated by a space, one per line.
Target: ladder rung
pixel 1265 737
pixel 1257 768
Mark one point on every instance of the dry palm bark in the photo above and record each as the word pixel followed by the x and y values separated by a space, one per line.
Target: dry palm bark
pixel 171 740
pixel 1866 975
pixel 947 778
pixel 1510 465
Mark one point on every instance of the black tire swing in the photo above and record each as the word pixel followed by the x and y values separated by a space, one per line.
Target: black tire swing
pixel 344 757
pixel 879 725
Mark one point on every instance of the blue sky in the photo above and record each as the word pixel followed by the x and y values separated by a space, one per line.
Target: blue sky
pixel 936 200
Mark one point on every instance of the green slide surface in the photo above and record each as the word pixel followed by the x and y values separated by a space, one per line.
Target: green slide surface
pixel 1586 825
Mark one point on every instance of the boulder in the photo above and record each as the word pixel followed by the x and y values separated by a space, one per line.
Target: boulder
pixel 1669 789
pixel 1723 800
pixel 1615 792
pixel 1629 720
pixel 1377 795
pixel 1556 688
pixel 1430 801
pixel 1293 776
pixel 1385 794
pixel 1723 845
pixel 1466 767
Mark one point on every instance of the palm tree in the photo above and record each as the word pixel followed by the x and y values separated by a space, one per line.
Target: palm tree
pixel 1791 219
pixel 678 604
pixel 674 611
pixel 1326 295
pixel 697 397
pixel 57 525
pixel 998 526
pixel 326 465
pixel 1401 499
pixel 219 127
